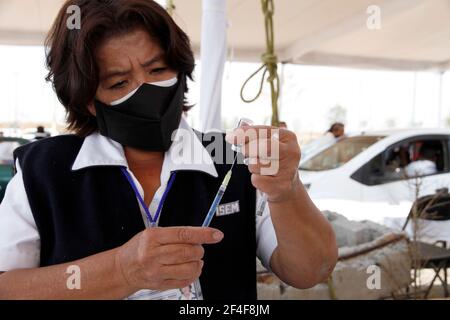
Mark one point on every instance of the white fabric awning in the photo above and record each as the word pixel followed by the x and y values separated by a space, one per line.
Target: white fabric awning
pixel 27 22
pixel 414 34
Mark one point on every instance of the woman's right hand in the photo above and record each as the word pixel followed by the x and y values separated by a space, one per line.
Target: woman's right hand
pixel 164 258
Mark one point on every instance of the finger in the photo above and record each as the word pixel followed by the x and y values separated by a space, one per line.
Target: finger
pixel 265 149
pixel 179 253
pixel 186 235
pixel 264 167
pixel 246 134
pixel 190 270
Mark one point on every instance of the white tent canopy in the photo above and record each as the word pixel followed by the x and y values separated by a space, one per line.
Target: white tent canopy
pixel 26 22
pixel 414 34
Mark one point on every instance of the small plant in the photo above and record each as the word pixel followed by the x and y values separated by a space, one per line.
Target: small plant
pixel 416 217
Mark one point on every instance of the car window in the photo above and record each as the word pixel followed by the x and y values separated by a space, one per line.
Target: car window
pixel 409 159
pixel 6 151
pixel 339 154
pixel 316 146
pixel 416 158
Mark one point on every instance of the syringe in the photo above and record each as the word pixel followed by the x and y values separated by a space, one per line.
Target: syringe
pixel 261 205
pixel 224 185
pixel 218 198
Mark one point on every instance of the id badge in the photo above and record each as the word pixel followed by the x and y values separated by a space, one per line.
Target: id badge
pixel 191 292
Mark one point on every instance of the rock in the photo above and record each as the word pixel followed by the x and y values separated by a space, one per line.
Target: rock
pixel 366 250
pixel 352 233
pixel 352 277
pixel 269 291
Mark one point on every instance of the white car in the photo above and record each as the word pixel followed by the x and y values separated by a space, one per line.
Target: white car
pixel 369 176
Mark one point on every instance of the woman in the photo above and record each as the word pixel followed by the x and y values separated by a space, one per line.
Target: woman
pixel 73 223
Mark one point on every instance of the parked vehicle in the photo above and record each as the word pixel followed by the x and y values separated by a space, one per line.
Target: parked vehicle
pixel 369 176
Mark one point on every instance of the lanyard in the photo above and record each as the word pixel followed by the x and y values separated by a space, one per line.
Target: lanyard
pixel 152 221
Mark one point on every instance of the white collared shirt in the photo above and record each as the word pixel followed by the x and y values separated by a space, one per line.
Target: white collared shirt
pixel 19 236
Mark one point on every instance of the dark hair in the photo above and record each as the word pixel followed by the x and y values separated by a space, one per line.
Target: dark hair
pixel 335 125
pixel 70 53
pixel 429 150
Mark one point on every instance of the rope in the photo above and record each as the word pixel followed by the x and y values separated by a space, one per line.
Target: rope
pixel 269 65
pixel 170 7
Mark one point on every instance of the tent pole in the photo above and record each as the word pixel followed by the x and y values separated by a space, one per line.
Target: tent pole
pixel 213 53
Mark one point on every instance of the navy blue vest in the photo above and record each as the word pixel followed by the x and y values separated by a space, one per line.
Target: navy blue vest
pixel 84 212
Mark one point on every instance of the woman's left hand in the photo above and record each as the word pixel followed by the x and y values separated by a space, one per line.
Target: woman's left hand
pixel 273 156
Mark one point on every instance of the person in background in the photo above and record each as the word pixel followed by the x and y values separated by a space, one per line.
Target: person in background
pixel 282 125
pixel 41 133
pixel 337 130
pixel 425 164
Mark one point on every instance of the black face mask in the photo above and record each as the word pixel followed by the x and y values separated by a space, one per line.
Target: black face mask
pixel 146 120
